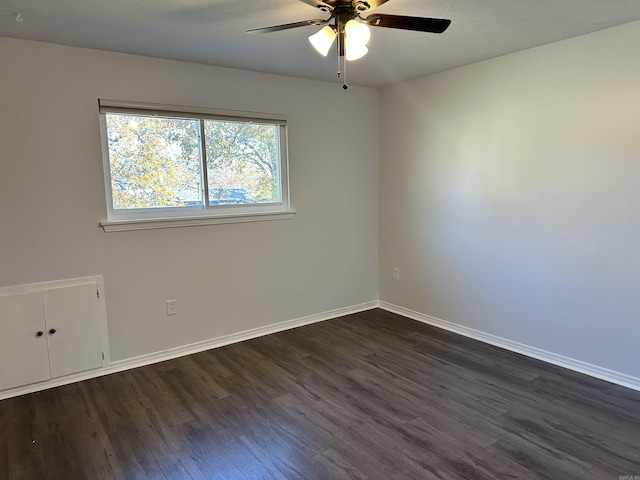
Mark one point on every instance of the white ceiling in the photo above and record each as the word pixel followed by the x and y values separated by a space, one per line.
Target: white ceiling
pixel 213 32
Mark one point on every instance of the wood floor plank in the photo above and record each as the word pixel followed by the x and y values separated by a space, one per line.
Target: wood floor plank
pixel 60 457
pixel 171 452
pixel 541 463
pixel 23 448
pixel 335 467
pixel 444 454
pixel 134 455
pixel 4 426
pixel 286 457
pixel 370 396
pixel 162 395
pixel 206 452
pixel 250 461
pixel 368 457
pixel 205 379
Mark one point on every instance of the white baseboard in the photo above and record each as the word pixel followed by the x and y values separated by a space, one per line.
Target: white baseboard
pixel 549 357
pixel 168 354
pixel 121 365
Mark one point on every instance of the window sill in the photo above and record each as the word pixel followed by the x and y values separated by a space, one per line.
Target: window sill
pixel 174 222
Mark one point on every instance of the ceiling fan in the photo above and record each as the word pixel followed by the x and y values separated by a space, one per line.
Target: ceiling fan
pixel 352 30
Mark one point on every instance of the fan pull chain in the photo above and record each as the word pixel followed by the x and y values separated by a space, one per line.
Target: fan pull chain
pixel 344 73
pixel 342 60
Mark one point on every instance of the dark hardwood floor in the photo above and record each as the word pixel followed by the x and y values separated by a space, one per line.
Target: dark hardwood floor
pixel 367 396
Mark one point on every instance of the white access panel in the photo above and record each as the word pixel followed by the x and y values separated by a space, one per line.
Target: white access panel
pixel 73 328
pixel 24 357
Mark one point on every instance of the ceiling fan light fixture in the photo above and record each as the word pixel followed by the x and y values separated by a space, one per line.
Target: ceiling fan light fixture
pixel 355 52
pixel 357 33
pixel 323 40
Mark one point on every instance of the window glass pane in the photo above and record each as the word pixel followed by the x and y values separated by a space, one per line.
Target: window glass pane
pixel 154 161
pixel 242 162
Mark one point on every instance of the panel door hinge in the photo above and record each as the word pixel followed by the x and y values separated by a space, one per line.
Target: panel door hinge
pixel 98 292
pixel 102 355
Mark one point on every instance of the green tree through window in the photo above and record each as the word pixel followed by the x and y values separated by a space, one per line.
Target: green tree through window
pixel 154 162
pixel 242 156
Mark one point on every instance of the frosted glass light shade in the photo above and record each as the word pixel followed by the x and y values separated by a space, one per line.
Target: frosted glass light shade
pixel 354 52
pixel 323 40
pixel 357 33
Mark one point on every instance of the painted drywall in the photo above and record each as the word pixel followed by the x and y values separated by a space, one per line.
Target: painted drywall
pixel 510 197
pixel 226 278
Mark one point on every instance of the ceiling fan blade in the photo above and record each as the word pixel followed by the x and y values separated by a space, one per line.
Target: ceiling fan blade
pixel 287 26
pixel 420 24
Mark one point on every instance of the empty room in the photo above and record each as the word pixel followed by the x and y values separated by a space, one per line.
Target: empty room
pixel 320 239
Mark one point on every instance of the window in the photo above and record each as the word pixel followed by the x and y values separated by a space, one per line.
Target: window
pixel 172 166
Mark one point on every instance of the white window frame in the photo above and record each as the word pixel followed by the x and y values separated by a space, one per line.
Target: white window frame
pixel 143 219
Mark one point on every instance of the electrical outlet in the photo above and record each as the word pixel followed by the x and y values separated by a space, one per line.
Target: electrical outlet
pixel 396 274
pixel 171 307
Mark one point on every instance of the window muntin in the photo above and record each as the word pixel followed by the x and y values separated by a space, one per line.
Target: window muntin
pixel 164 162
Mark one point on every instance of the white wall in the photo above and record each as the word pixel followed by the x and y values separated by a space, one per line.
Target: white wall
pixel 226 278
pixel 510 197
